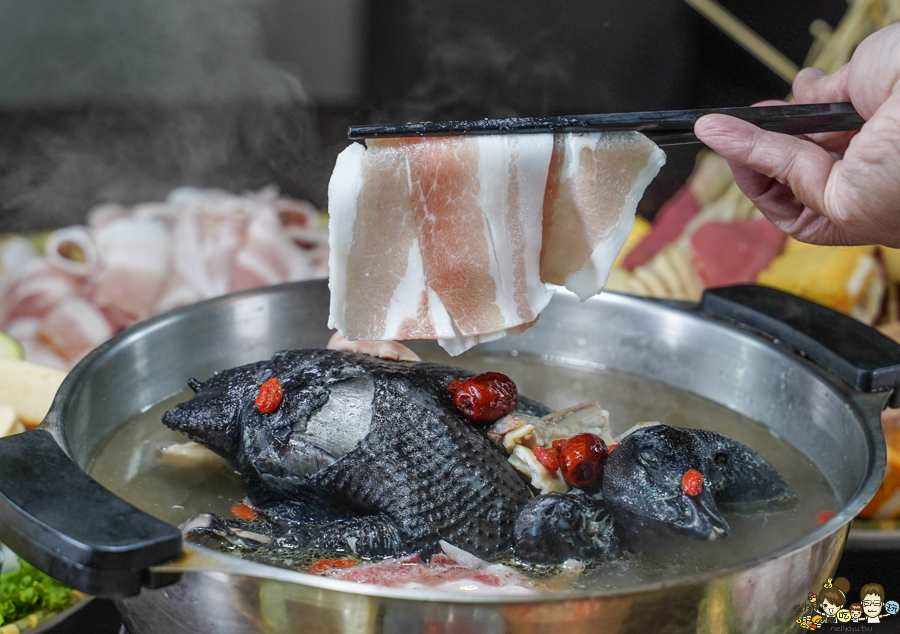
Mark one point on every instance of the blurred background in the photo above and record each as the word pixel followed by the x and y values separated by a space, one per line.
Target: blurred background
pixel 105 101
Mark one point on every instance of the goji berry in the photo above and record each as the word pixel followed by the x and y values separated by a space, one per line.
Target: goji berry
pixel 486 397
pixel 269 398
pixel 243 512
pixel 343 563
pixel 549 458
pixel 824 516
pixel 321 566
pixel 692 482
pixel 559 444
pixel 582 460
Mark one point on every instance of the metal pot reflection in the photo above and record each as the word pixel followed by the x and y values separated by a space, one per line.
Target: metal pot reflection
pixel 687 346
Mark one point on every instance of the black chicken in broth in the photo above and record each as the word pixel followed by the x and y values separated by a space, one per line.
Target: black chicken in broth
pixel 346 454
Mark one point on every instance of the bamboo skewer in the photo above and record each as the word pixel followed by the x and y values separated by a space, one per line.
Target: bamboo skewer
pixel 853 29
pixel 712 183
pixel 751 41
pixel 833 47
pixel 821 32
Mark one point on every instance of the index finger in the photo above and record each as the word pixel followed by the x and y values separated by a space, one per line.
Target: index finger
pixel 798 163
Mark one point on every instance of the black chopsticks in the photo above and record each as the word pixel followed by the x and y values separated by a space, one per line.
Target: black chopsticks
pixel 665 127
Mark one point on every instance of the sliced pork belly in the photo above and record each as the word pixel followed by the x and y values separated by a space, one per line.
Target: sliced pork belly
pixel 438 238
pixel 266 256
pixel 133 268
pixel 74 327
pixel 377 277
pixel 596 181
pixel 456 238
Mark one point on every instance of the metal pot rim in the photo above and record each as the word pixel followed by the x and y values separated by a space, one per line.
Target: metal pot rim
pixel 55 425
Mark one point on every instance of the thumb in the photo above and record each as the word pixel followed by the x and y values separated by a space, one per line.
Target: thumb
pixel 814 85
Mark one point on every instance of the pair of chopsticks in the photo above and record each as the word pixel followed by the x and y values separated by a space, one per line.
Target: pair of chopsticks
pixel 664 127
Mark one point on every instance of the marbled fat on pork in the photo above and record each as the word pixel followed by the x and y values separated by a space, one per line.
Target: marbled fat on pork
pixel 438 238
pixel 595 183
pixel 456 238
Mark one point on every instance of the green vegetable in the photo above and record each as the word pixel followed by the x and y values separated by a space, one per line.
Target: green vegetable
pixel 10 348
pixel 28 590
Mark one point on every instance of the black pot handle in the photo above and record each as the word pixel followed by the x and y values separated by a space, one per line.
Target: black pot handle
pixel 859 354
pixel 65 523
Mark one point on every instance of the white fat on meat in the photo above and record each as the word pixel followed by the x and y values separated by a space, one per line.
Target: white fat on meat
pixel 521 429
pixel 518 434
pixel 391 350
pixel 457 238
pixel 34 289
pixel 177 293
pixel 132 263
pixel 204 241
pixel 524 461
pixel 438 238
pixel 133 268
pixel 596 181
pixel 74 327
pixel 267 256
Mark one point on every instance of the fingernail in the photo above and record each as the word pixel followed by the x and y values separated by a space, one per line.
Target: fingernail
pixel 811 72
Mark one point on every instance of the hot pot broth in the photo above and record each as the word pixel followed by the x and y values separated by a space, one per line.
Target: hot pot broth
pixel 130 464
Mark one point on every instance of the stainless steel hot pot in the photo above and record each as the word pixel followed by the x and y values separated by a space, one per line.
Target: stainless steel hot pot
pixel 818 379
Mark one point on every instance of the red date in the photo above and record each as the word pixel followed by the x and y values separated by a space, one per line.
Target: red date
pixel 582 459
pixel 484 398
pixel 454 386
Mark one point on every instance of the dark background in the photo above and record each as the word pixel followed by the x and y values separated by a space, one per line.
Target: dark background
pixel 103 101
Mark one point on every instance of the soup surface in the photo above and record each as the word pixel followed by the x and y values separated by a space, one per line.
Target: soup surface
pixel 130 464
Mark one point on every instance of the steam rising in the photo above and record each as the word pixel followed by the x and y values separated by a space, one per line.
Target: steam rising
pixel 104 101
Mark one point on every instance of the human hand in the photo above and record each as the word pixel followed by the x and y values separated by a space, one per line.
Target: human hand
pixel 833 188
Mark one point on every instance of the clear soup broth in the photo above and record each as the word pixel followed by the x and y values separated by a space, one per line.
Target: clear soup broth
pixel 130 464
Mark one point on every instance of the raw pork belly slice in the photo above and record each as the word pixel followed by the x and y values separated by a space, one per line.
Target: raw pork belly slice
pixel 438 238
pixel 456 238
pixel 596 181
